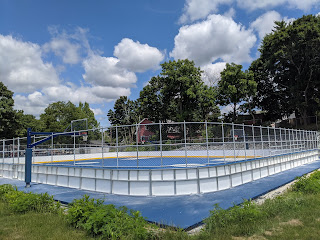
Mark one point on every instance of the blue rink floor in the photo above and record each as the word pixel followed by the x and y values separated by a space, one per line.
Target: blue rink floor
pixel 182 211
pixel 145 162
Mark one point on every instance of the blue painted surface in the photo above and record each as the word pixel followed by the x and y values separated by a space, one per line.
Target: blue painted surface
pixel 142 163
pixel 182 211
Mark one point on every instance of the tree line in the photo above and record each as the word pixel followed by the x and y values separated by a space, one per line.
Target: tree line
pixel 56 117
pixel 285 79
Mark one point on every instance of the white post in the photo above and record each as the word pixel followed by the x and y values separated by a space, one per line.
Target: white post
pixel 137 142
pixel 234 143
pixel 18 150
pixel 269 141
pixel 160 135
pixel 280 132
pixel 3 147
pixel 275 140
pixel 12 151
pixel 253 140
pixel 244 141
pixel 207 140
pixel 261 131
pixel 51 147
pixel 117 146
pixel 74 147
pixel 185 141
pixel 223 147
pixel 102 146
pixel 290 143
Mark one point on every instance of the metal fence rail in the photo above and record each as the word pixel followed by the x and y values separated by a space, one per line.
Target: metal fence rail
pixel 153 145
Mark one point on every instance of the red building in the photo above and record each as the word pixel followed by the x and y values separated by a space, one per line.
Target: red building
pixel 144 131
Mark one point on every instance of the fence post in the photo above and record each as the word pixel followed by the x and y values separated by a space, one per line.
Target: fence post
pixel 3 147
pixel 280 132
pixel 137 142
pixel 223 147
pixel 18 150
pixel 244 142
pixel 117 146
pixel 261 134
pixel 234 143
pixel 185 141
pixel 74 147
pixel 275 140
pixel 28 159
pixel 102 146
pixel 269 141
pixel 12 151
pixel 160 135
pixel 51 147
pixel 207 141
pixel 253 140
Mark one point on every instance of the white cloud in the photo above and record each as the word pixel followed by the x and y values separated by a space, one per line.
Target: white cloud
pixel 211 73
pixel 65 49
pixel 137 57
pixel 217 37
pixel 200 9
pixel 105 71
pixel 304 5
pixel 265 23
pixel 22 68
pixel 97 111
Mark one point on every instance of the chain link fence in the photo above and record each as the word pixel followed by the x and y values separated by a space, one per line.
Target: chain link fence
pixel 161 145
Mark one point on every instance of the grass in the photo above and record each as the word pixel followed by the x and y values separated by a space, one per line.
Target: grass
pixel 293 215
pixel 36 225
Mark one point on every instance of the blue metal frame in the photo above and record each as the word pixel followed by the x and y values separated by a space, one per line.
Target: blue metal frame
pixel 28 153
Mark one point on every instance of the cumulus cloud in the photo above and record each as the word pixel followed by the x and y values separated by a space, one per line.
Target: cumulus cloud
pixel 105 71
pixel 36 102
pixel 265 23
pixel 22 68
pixel 262 4
pixel 97 111
pixel 137 57
pixel 200 9
pixel 211 73
pixel 218 37
pixel 65 49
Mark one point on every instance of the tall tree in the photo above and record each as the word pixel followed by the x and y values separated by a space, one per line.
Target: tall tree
pixel 125 112
pixel 288 69
pixel 57 116
pixel 8 116
pixel 178 94
pixel 235 87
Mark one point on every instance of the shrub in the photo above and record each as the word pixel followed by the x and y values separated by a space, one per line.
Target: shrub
pixel 6 188
pixel 309 184
pixel 107 221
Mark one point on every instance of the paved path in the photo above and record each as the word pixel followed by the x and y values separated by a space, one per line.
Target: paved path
pixel 182 211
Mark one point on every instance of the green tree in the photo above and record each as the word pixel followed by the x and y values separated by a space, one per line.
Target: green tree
pixel 288 69
pixel 125 112
pixel 178 94
pixel 8 116
pixel 235 87
pixel 57 116
pixel 27 121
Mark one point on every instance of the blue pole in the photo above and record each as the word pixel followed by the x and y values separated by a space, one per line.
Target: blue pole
pixel 28 159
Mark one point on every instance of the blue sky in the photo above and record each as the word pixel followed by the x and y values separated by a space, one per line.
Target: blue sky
pixel 96 51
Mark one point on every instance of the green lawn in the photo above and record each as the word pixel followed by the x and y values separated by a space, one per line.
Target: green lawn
pixel 32 225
